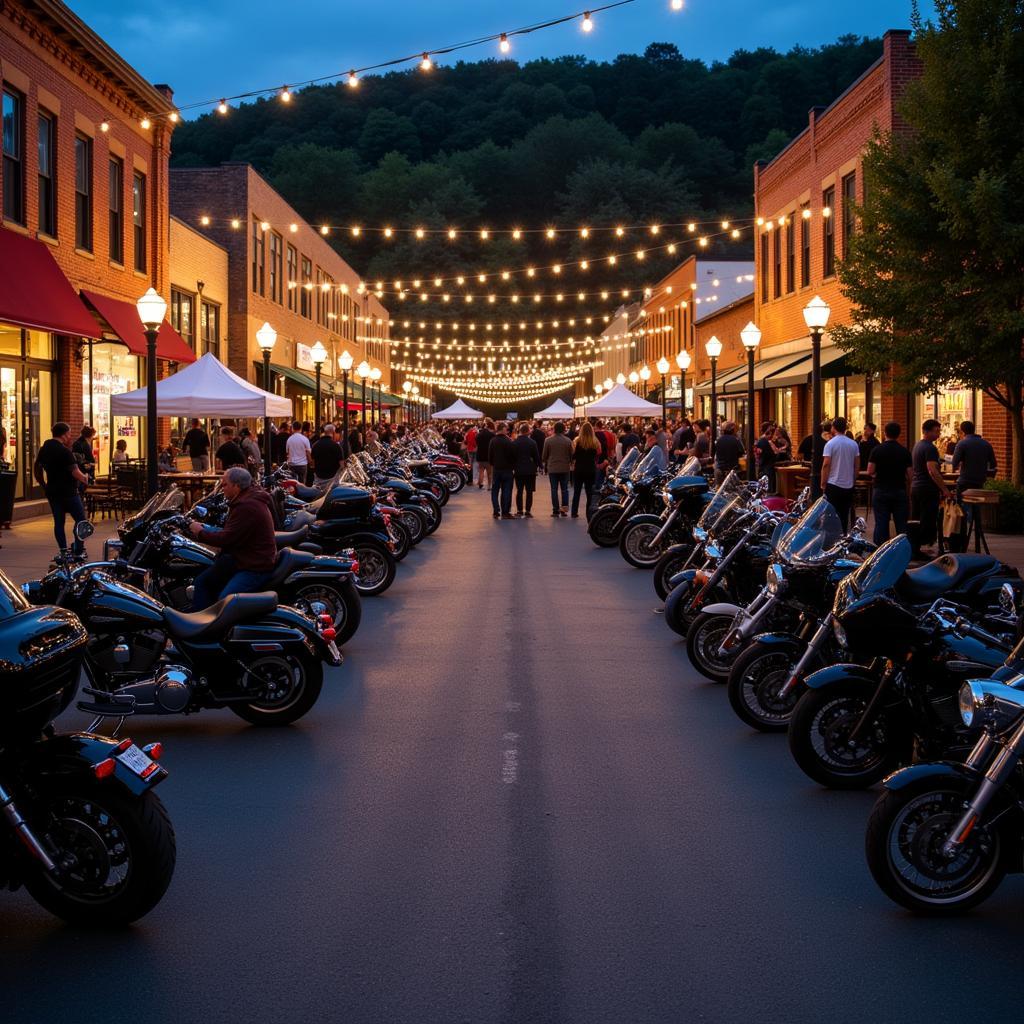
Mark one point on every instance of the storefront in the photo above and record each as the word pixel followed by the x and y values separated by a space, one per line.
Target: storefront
pixel 110 369
pixel 951 406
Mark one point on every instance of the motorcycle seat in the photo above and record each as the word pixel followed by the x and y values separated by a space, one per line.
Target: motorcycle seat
pixel 213 622
pixel 302 518
pixel 307 493
pixel 945 573
pixel 287 539
pixel 288 561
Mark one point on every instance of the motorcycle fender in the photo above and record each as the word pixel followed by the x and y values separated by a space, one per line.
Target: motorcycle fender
pixel 350 539
pixel 293 619
pixel 643 517
pixel 722 608
pixel 686 576
pixel 904 777
pixel 75 755
pixel 842 673
pixel 778 640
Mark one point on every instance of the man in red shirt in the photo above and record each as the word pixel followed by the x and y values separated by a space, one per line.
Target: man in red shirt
pixel 471 448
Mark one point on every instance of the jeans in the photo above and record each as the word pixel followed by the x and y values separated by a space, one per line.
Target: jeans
pixel 61 508
pixel 525 484
pixel 580 485
pixel 224 578
pixel 841 499
pixel 200 463
pixel 559 482
pixel 502 484
pixel 889 502
pixel 924 507
pixel 483 469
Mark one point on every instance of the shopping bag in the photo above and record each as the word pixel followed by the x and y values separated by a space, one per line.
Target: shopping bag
pixel 952 520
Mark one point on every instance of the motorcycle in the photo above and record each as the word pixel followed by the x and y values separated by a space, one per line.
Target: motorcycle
pixel 80 826
pixel 634 490
pixel 856 723
pixel 262 661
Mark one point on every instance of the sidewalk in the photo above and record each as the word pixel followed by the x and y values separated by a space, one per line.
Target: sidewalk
pixel 29 546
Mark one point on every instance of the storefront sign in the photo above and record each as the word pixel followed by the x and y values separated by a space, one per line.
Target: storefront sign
pixel 304 357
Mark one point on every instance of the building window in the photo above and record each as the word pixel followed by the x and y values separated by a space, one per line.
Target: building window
pixel 276 247
pixel 83 193
pixel 307 288
pixel 777 265
pixel 764 266
pixel 293 278
pixel 181 316
pixel 790 254
pixel 14 156
pixel 116 203
pixel 828 232
pixel 209 327
pixel 139 219
pixel 258 259
pixel 805 247
pixel 849 190
pixel 319 296
pixel 47 144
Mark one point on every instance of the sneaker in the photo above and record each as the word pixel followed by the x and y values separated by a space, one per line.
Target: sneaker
pixel 497 515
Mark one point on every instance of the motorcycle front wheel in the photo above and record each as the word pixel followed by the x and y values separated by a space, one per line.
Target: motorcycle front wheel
pixel 291 687
pixel 703 639
pixel 903 845
pixel 668 565
pixel 601 527
pixel 377 567
pixel 116 851
pixel 635 544
pixel 455 480
pixel 402 542
pixel 341 602
pixel 678 616
pixel 755 679
pixel 432 511
pixel 415 523
pixel 819 738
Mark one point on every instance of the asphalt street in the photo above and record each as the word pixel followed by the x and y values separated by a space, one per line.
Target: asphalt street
pixel 515 802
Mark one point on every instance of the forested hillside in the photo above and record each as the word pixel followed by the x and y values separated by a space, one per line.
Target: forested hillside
pixel 657 137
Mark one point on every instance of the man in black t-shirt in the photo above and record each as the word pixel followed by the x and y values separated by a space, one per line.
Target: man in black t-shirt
pixel 326 455
pixel 867 444
pixel 229 453
pixel 927 486
pixel 728 452
pixel 764 453
pixel 890 467
pixel 196 444
pixel 60 483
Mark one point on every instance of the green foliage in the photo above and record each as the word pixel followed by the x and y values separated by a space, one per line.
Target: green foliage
pixel 1011 505
pixel 937 273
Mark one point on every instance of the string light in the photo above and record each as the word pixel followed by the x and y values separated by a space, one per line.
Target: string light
pixel 104 126
pixel 677 5
pixel 353 80
pixel 503 44
pixel 222 107
pixel 145 123
pixel 426 64
pixel 286 96
pixel 588 22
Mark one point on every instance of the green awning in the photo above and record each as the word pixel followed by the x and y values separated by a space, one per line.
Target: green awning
pixel 304 380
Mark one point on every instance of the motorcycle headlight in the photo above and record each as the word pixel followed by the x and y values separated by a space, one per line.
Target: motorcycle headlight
pixel 713 551
pixel 700 534
pixel 776 579
pixel 839 632
pixel 987 702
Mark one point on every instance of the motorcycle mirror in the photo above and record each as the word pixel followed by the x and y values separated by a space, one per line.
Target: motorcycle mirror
pixel 859 526
pixel 1008 599
pixel 201 510
pixel 84 529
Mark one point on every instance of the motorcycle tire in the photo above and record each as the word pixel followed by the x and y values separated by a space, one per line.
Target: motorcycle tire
pixel 339 600
pixel 677 617
pixel 601 527
pixel 668 565
pixel 439 489
pixel 454 480
pixel 916 874
pixel 303 677
pixel 821 721
pixel 703 638
pixel 377 567
pixel 102 827
pixel 402 542
pixel 635 542
pixel 755 679
pixel 432 510
pixel 415 522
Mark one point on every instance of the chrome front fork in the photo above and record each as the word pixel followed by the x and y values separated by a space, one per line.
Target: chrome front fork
pixel 626 509
pixel 817 642
pixel 23 832
pixel 747 621
pixel 664 527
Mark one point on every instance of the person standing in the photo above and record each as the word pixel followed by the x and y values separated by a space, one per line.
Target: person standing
pixel 61 483
pixel 891 469
pixel 728 452
pixel 556 456
pixel 839 470
pixel 326 456
pixel 927 487
pixel 229 453
pixel 471 448
pixel 279 443
pixel 297 449
pixel 586 453
pixel 251 451
pixel 502 455
pixel 539 436
pixel 453 440
pixel 83 452
pixel 527 464
pixel 629 438
pixel 682 440
pixel 867 444
pixel 484 437
pixel 764 454
pixel 973 458
pixel 196 445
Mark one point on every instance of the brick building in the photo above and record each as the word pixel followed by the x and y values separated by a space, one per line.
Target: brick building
pixel 282 271
pixel 83 232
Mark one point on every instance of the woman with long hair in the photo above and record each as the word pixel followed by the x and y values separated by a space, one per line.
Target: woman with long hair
pixel 586 451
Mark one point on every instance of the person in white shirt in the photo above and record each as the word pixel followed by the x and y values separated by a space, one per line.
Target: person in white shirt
pixel 839 470
pixel 297 449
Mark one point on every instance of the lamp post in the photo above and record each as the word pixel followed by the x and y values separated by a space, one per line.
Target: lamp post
pixel 362 372
pixel 416 398
pixel 713 347
pixel 663 368
pixel 406 387
pixel 683 362
pixel 645 376
pixel 345 364
pixel 816 314
pixel 152 309
pixel 318 354
pixel 266 338
pixel 751 338
pixel 375 375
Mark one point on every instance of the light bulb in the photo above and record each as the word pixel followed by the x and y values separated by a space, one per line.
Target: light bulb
pixel 324 230
pixel 353 80
pixel 104 126
pixel 388 232
pixel 286 96
pixel 173 117
pixel 426 63
pixel 588 22
pixel 222 107
pixel 503 44
pixel 145 123
pixel 677 5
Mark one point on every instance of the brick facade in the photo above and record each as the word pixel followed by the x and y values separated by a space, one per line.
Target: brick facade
pixel 199 270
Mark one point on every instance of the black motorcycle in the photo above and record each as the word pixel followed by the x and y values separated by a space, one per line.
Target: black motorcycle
pixel 80 825
pixel 637 488
pixel 858 722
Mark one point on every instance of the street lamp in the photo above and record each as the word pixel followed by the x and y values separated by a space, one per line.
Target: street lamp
pixel 713 347
pixel 345 364
pixel 406 387
pixel 816 314
pixel 620 379
pixel 683 362
pixel 375 375
pixel 751 338
pixel 362 372
pixel 318 354
pixel 152 309
pixel 608 383
pixel 416 398
pixel 266 338
pixel 634 379
pixel 645 376
pixel 663 368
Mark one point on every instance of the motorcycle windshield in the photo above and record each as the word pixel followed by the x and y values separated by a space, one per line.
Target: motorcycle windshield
pixel 813 536
pixel 884 568
pixel 628 463
pixel 691 467
pixel 353 473
pixel 172 499
pixel 650 465
pixel 731 486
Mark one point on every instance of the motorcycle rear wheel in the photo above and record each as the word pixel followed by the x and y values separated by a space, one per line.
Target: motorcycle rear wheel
pixel 601 527
pixel 341 602
pixel 703 638
pixel 678 617
pixel 432 512
pixel 102 832
pixel 415 523
pixel 668 564
pixel 756 676
pixel 296 683
pixel 455 480
pixel 903 845
pixel 635 544
pixel 377 568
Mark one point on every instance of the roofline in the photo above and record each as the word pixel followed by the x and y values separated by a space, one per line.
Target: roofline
pixel 205 237
pixel 725 309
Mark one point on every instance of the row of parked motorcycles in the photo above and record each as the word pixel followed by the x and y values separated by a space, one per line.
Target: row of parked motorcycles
pixel 82 829
pixel 876 671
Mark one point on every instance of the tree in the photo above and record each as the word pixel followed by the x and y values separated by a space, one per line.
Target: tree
pixel 937 272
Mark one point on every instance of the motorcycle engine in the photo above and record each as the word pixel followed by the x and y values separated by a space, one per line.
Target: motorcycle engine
pixel 173 688
pixel 118 655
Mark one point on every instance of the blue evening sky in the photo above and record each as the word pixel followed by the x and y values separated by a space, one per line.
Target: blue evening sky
pixel 205 49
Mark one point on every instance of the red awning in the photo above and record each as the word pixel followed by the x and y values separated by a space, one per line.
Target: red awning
pixel 34 292
pixel 123 320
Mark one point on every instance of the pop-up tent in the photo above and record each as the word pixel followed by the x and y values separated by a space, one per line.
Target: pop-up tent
pixel 206 388
pixel 620 401
pixel 458 410
pixel 557 410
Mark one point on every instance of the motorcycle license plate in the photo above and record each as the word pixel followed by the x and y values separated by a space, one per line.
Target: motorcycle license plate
pixel 137 761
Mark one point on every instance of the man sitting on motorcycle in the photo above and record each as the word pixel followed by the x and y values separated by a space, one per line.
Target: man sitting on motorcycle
pixel 248 551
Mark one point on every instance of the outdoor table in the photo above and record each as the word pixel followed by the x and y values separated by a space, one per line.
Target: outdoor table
pixel 192 484
pixel 976 498
pixel 791 478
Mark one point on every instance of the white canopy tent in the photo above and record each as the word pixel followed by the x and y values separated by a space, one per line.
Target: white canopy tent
pixel 620 401
pixel 458 410
pixel 557 410
pixel 205 388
